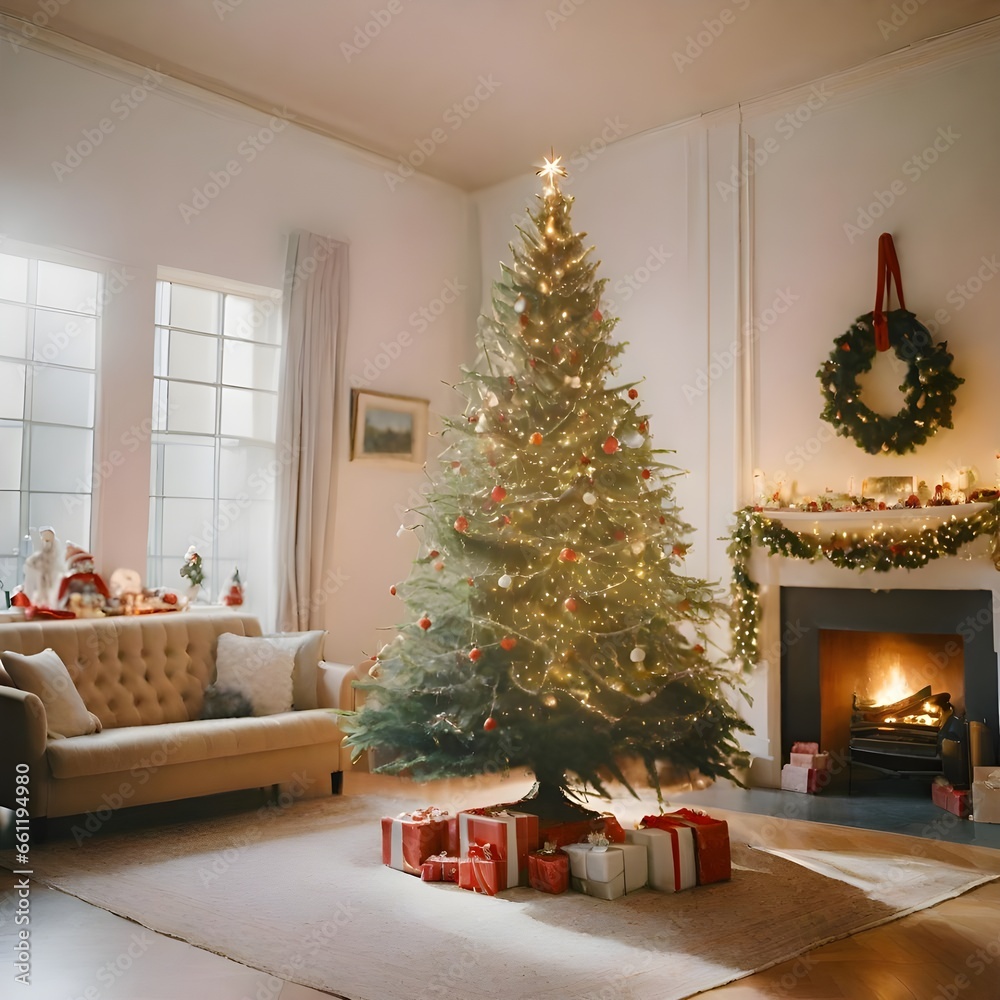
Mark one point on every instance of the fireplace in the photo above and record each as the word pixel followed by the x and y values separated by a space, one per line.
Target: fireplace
pixel 851 655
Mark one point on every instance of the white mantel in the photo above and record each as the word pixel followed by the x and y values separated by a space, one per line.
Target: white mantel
pixel 971 569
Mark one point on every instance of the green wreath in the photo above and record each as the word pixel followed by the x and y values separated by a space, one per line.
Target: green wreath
pixel 928 388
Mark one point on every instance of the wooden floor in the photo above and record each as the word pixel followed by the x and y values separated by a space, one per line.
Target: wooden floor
pixel 948 952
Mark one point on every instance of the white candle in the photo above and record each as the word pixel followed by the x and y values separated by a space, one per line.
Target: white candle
pixel 850 486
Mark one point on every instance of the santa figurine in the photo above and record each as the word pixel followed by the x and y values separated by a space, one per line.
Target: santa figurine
pixel 82 590
pixel 232 593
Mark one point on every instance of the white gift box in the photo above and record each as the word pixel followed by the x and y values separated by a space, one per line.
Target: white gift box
pixel 670 857
pixel 986 795
pixel 608 874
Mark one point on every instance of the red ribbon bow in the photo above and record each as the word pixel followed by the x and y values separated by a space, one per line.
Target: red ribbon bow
pixel 888 271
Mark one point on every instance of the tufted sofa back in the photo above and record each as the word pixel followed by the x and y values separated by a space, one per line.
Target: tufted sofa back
pixel 134 670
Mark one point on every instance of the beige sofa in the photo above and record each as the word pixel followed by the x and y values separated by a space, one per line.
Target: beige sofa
pixel 144 677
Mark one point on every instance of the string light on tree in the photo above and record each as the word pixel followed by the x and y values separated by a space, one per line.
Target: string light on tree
pixel 561 490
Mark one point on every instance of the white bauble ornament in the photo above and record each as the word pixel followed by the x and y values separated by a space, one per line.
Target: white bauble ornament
pixel 638 548
pixel 589 499
pixel 520 304
pixel 632 439
pixel 637 655
pixel 505 581
pixel 572 381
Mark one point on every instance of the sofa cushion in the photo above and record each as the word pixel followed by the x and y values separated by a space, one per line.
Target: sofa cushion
pixel 46 676
pixel 258 669
pixel 307 647
pixel 142 750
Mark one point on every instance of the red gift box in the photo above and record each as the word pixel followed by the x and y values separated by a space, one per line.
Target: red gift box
pixel 548 871
pixel 409 839
pixel 577 831
pixel 711 843
pixel 513 835
pixel 481 871
pixel 440 868
pixel 954 800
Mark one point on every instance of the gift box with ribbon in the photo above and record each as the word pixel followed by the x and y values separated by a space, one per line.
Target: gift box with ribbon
pixel 607 872
pixel 548 869
pixel 440 868
pixel 713 860
pixel 670 856
pixel 514 835
pixel 410 838
pixel 481 871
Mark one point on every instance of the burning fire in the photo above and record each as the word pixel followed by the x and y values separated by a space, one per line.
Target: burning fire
pixel 891 687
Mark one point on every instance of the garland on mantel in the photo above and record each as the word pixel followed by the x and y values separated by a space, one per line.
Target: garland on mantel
pixel 878 550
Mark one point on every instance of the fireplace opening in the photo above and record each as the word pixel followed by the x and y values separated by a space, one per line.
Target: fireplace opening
pixel 885 696
pixel 859 666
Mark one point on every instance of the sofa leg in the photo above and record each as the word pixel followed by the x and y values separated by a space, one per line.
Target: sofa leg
pixel 337 783
pixel 38 829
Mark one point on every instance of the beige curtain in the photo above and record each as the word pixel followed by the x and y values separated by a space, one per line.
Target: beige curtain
pixel 315 332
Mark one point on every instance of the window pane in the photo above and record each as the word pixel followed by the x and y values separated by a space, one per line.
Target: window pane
pixel 190 408
pixel 194 357
pixel 185 522
pixel 249 414
pixel 188 470
pixel 247 470
pixel 13 278
pixel 252 319
pixel 11 391
pixel 9 577
pixel 61 396
pixel 10 524
pixel 65 340
pixel 250 365
pixel 194 308
pixel 13 330
pixel 68 513
pixel 10 457
pixel 63 287
pixel 60 460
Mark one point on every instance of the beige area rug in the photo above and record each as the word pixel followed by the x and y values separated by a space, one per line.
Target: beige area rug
pixel 300 893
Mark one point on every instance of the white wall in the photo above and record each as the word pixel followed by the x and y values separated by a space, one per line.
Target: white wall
pixel 814 238
pixel 408 242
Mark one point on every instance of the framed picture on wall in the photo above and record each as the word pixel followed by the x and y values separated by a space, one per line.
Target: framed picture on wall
pixel 388 429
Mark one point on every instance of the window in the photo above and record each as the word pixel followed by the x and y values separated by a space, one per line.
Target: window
pixel 50 315
pixel 214 461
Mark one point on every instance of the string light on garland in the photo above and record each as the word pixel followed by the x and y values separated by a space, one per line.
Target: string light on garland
pixel 877 550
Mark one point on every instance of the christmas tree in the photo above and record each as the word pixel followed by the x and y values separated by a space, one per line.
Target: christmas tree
pixel 551 624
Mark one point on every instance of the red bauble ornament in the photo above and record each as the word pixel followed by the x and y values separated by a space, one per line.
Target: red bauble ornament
pixel 433 554
pixel 610 445
pixel 574 356
pixel 845 347
pixel 570 604
pixel 475 653
pixel 618 535
pixel 680 550
pixel 646 473
pixel 584 460
pixel 597 315
pixel 567 555
pixel 471 582
pixel 424 623
pixel 490 724
pixel 392 590
pixel 663 520
pixel 633 394
pixel 439 566
pixel 461 523
pixel 556 350
pixel 473 417
pixel 684 606
pixel 512 380
pixel 642 427
pixel 535 438
pixel 498 493
pixel 698 648
pixel 508 642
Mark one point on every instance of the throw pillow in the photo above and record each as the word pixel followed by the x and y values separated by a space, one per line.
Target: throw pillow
pixel 5 678
pixel 307 647
pixel 224 703
pixel 258 669
pixel 45 675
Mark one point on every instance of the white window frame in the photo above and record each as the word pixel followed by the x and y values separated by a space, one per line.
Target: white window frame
pixel 261 593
